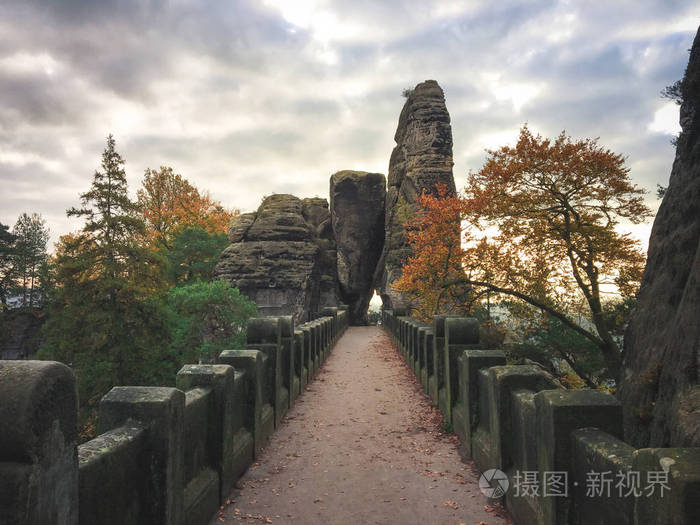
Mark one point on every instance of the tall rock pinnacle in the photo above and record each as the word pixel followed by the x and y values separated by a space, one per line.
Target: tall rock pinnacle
pixel 421 159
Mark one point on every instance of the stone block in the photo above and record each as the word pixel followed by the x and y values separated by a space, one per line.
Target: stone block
pixel 222 448
pixel 492 446
pixel 431 379
pixel 264 330
pixel 422 370
pixel 259 414
pixel 461 333
pixel 315 348
pixel 38 436
pixel 242 448
pixel 309 352
pixel 559 413
pixel 328 335
pixel 161 411
pixel 274 389
pixel 440 360
pixel 300 373
pixel 201 492
pixel 114 478
pixel 401 321
pixel 331 313
pixel 265 334
pixel 287 326
pixel 465 411
pixel 522 503
pixel 201 498
pixel 671 486
pixel 412 353
pixel 601 464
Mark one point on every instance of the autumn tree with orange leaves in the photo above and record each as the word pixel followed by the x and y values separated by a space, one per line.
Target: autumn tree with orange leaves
pixel 169 204
pixel 553 207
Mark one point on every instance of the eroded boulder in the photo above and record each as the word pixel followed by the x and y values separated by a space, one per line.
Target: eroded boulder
pixel 357 211
pixel 277 259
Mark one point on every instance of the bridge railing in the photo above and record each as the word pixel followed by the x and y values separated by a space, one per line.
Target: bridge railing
pixel 561 450
pixel 163 455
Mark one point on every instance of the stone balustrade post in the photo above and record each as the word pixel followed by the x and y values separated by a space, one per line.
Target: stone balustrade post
pixel 222 446
pixel 161 411
pixel 559 413
pixel 38 436
pixel 465 412
pixel 288 354
pixel 265 334
pixel 258 415
pixel 461 333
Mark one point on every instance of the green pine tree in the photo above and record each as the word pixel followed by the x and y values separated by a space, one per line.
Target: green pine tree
pixel 194 255
pixel 106 315
pixel 7 250
pixel 29 256
pixel 208 318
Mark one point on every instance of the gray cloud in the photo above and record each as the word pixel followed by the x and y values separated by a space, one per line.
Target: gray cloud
pixel 248 98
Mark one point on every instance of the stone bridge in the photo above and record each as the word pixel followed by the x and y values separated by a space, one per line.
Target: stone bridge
pixel 360 441
pixel 175 455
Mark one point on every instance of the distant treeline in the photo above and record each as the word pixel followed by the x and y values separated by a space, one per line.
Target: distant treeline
pixel 129 298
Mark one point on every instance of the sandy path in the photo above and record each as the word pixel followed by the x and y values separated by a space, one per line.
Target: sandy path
pixel 362 445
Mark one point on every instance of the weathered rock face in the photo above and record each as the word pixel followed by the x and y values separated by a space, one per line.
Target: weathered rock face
pixel 421 159
pixel 239 226
pixel 357 211
pixel 659 384
pixel 277 258
pixel 317 215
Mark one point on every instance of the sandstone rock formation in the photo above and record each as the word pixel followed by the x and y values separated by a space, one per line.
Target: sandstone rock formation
pixel 357 211
pixel 421 159
pixel 317 214
pixel 278 259
pixel 659 384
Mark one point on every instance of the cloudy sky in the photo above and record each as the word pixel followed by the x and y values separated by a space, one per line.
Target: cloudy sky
pixel 248 98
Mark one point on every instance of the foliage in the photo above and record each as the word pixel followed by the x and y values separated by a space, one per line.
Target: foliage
pixel 548 341
pixel 169 204
pixel 674 92
pixel 374 317
pixel 210 316
pixel 434 232
pixel 554 206
pixel 105 315
pixel 29 256
pixel 194 255
pixel 406 92
pixel 7 248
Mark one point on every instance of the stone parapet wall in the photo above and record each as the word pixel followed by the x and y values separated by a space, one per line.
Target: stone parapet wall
pixel 164 455
pixel 560 450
